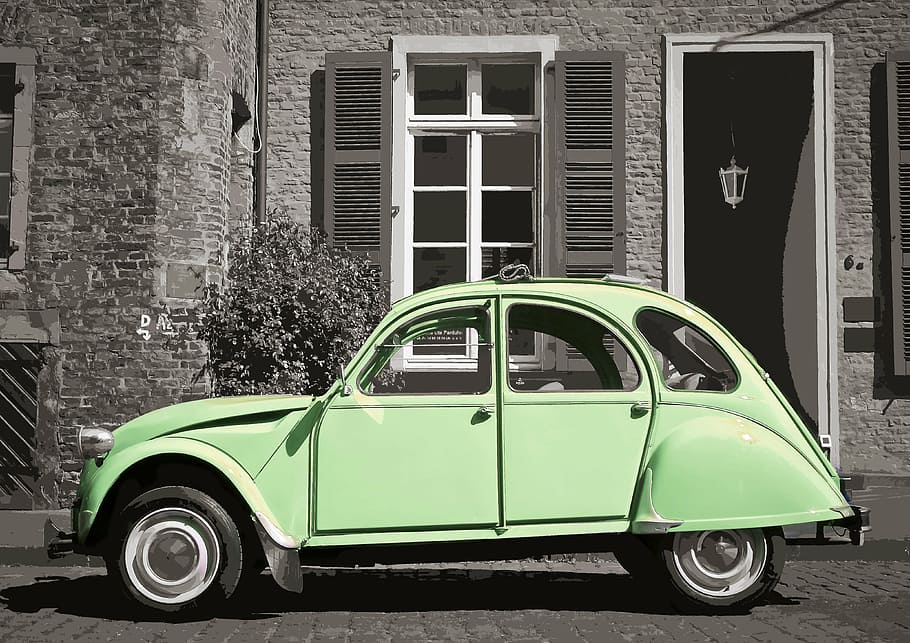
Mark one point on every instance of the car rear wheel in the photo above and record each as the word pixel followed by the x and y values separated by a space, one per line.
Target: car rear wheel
pixel 176 549
pixel 722 568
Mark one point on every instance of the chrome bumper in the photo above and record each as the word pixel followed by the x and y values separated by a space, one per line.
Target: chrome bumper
pixel 855 522
pixel 58 543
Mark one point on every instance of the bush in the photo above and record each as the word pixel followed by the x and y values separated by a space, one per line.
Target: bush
pixel 291 311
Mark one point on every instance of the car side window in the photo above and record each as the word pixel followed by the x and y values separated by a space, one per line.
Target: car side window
pixel 461 335
pixel 688 359
pixel 553 349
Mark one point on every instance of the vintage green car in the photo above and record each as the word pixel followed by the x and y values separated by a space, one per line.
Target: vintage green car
pixel 480 421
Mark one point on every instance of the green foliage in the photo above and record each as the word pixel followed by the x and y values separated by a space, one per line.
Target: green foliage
pixel 292 310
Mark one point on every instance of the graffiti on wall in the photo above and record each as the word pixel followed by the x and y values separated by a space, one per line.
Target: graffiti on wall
pixel 164 322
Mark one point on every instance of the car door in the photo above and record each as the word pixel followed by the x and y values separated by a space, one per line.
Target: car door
pixel 414 446
pixel 575 415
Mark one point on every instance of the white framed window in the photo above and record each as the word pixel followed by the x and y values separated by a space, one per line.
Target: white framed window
pixel 467 134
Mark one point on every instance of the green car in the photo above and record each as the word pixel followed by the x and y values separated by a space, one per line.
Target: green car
pixel 480 421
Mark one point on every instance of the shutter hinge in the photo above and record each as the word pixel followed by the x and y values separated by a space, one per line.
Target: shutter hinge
pixel 395 210
pixel 396 73
pixel 19 86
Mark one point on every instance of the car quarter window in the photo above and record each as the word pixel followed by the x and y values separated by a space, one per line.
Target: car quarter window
pixel 459 336
pixel 554 349
pixel 688 359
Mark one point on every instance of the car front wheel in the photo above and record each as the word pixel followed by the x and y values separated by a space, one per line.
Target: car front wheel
pixel 176 549
pixel 723 568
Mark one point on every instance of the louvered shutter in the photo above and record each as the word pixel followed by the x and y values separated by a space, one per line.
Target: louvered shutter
pixel 590 162
pixel 590 171
pixel 358 154
pixel 898 72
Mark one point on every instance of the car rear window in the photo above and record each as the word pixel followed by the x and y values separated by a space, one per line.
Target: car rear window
pixel 688 359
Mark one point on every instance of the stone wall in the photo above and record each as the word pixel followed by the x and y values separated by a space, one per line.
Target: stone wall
pixel 129 180
pixel 874 431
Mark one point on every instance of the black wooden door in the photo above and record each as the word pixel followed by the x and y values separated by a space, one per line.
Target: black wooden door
pixel 19 364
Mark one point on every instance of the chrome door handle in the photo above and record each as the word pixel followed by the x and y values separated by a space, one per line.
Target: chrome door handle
pixel 487 410
pixel 641 408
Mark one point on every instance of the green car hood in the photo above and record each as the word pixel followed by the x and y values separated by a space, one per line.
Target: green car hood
pixel 211 416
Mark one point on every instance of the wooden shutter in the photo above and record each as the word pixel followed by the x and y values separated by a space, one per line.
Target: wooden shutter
pixel 24 60
pixel 898 73
pixel 590 171
pixel 590 162
pixel 358 154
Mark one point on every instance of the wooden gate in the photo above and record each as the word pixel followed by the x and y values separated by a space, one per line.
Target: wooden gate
pixel 19 365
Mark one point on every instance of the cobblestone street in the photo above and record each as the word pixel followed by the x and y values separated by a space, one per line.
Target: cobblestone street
pixel 815 601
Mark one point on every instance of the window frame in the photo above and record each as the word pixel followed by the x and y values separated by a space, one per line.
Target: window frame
pixel 708 337
pixel 525 364
pixel 24 60
pixel 404 361
pixel 473 125
pixel 472 51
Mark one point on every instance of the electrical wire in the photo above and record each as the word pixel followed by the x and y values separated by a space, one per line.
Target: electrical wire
pixel 256 136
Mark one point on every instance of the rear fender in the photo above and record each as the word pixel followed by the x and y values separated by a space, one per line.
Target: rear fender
pixel 719 471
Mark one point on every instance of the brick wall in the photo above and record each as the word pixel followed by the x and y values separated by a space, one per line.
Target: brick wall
pixel 133 172
pixel 129 173
pixel 874 432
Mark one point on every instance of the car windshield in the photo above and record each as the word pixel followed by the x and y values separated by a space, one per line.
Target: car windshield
pixel 689 360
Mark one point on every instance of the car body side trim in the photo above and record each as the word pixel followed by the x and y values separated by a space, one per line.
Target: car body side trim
pixel 283 562
pixel 651 521
pixel 278 537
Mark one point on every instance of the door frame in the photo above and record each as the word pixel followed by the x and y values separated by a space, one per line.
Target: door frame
pixel 821 45
pixel 509 397
pixel 358 399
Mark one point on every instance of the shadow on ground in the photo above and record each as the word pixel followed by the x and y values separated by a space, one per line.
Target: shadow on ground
pixel 359 590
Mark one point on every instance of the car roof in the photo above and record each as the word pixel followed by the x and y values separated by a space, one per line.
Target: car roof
pixel 621 299
pixel 595 290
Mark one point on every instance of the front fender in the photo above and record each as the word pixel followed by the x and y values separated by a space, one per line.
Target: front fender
pixel 718 471
pixel 100 481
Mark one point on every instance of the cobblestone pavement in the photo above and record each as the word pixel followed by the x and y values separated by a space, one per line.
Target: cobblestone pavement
pixel 815 601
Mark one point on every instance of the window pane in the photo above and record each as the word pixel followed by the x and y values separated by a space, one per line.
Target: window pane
pixel 4 238
pixel 4 216
pixel 492 259
pixel 451 336
pixel 440 333
pixel 603 361
pixel 438 266
pixel 6 144
pixel 690 361
pixel 508 216
pixel 509 160
pixel 440 160
pixel 451 341
pixel 7 89
pixel 4 195
pixel 508 89
pixel 439 216
pixel 440 89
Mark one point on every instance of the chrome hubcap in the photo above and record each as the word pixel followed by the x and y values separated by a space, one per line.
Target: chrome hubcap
pixel 171 555
pixel 720 563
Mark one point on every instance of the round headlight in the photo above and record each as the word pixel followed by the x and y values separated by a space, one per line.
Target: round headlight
pixel 95 442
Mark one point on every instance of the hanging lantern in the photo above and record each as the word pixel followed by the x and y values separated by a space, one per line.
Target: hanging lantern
pixel 733 181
